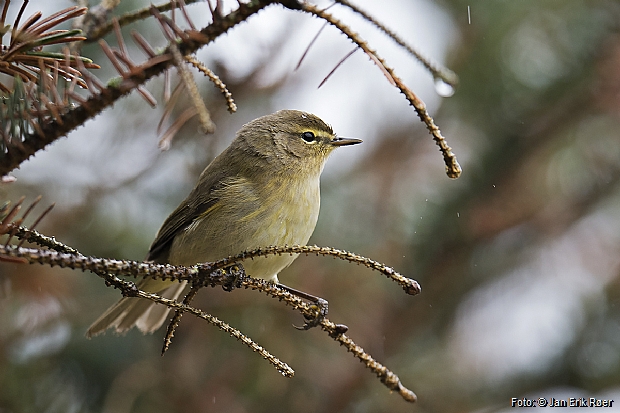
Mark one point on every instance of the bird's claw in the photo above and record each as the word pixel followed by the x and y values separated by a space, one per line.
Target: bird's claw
pixel 320 308
pixel 233 276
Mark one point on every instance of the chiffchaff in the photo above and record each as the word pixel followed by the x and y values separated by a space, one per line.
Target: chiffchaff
pixel 262 190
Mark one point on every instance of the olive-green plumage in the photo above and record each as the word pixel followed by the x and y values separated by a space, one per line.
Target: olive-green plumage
pixel 262 190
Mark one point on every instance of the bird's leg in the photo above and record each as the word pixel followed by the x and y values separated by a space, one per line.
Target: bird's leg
pixel 319 304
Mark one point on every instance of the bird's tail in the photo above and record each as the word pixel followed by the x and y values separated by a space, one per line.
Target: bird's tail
pixel 144 314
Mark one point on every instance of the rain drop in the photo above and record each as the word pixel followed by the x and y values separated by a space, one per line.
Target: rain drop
pixel 442 88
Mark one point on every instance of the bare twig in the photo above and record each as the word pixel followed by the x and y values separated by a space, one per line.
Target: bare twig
pixel 282 367
pixel 453 169
pixel 176 318
pixel 7 220
pixel 129 290
pixel 11 224
pixel 190 85
pixel 387 377
pixel 314 39
pixel 34 237
pixel 337 66
pixel 410 286
pixel 232 107
pixel 336 332
pixel 36 222
pixel 437 70
pixel 166 140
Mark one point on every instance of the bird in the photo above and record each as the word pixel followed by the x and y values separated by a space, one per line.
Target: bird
pixel 262 190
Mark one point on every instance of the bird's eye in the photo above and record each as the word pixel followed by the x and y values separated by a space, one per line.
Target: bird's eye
pixel 308 137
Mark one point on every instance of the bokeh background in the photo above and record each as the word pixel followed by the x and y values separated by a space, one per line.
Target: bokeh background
pixel 518 259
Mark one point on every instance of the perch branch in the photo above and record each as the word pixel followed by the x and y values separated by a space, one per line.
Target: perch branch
pixel 212 274
pixel 410 286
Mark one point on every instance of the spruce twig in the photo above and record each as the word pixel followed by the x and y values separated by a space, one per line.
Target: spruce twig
pixel 453 169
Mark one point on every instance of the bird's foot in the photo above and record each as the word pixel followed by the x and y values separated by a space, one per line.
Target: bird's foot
pixel 319 307
pixel 232 277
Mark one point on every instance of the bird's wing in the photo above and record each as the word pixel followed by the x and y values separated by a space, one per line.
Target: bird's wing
pixel 198 202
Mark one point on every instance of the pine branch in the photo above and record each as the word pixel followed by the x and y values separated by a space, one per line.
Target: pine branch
pixel 106 96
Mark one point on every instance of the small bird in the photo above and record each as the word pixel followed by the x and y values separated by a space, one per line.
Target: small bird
pixel 262 190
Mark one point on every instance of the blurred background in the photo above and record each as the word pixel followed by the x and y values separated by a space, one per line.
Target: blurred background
pixel 518 259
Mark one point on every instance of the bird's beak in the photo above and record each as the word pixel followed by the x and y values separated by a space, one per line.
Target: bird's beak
pixel 338 141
